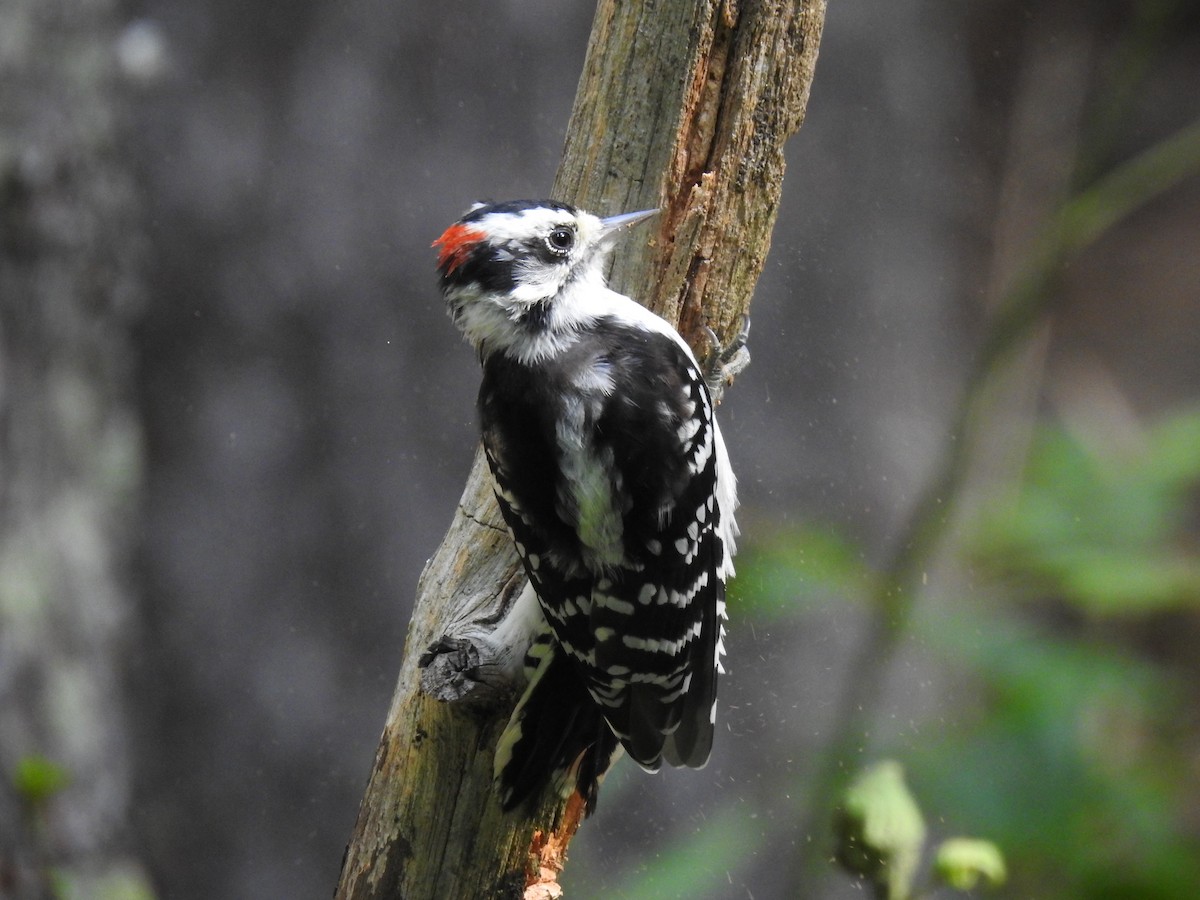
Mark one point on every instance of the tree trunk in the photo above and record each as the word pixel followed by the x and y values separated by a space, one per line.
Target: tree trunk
pixel 69 450
pixel 683 105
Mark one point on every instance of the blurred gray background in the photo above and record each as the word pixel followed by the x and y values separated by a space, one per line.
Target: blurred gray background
pixel 311 407
pixel 308 409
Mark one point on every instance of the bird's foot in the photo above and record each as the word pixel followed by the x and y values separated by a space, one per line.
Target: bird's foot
pixel 722 364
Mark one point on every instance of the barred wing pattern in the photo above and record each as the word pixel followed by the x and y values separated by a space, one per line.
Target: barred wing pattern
pixel 625 544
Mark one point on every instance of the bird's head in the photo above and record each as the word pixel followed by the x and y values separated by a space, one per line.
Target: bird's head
pixel 525 265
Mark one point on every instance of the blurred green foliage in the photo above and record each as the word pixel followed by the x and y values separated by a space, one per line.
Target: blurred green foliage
pixel 965 863
pixel 1104 529
pixel 880 837
pixel 119 882
pixel 1062 750
pixel 792 566
pixel 36 779
pixel 1079 757
pixel 880 830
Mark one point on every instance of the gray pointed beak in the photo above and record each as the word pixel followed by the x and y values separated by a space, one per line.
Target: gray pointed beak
pixel 614 224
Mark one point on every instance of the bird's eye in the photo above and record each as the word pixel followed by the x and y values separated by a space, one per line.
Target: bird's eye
pixel 560 240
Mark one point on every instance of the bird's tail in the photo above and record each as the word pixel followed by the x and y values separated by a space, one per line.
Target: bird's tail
pixel 556 733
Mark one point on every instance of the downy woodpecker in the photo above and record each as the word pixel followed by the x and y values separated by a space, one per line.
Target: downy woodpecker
pixel 612 476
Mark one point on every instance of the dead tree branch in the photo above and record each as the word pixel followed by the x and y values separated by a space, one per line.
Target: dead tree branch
pixel 684 105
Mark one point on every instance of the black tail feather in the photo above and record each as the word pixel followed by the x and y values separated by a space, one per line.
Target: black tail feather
pixel 556 734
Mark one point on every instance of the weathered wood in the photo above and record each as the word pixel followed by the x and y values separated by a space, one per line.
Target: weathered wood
pixel 684 105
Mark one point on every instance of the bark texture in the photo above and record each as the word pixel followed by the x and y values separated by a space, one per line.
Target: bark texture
pixel 684 105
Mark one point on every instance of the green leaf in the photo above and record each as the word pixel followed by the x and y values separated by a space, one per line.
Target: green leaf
pixel 37 779
pixel 880 830
pixel 963 862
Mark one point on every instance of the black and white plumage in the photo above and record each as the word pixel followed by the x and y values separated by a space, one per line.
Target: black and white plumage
pixel 613 478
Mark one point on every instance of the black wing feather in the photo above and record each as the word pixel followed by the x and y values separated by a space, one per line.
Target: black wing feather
pixel 619 623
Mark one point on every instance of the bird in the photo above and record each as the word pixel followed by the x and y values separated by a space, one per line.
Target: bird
pixel 612 476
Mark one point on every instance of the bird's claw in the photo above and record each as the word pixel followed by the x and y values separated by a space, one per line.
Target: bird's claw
pixel 724 363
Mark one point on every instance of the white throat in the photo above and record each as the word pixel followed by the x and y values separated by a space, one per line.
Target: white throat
pixel 548 315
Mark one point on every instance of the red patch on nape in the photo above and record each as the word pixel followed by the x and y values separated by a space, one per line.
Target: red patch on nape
pixel 456 243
